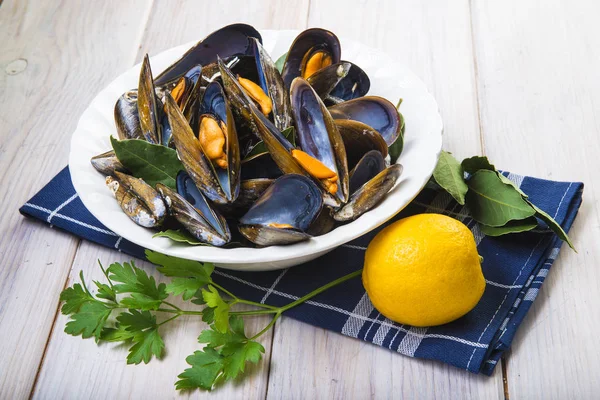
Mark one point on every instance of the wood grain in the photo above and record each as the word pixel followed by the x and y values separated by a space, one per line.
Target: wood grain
pixel 101 372
pixel 539 91
pixel 434 40
pixel 54 59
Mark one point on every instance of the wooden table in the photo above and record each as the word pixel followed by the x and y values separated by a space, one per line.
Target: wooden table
pixel 516 80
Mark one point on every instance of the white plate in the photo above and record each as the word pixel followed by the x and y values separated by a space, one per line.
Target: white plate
pixel 389 79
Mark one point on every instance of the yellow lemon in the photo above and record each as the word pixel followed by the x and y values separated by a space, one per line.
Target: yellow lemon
pixel 423 270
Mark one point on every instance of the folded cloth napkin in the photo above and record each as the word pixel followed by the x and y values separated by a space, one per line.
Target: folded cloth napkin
pixel 515 266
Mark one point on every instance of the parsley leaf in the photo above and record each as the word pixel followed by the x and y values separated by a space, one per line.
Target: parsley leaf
pixel 74 297
pixel 117 334
pixel 145 293
pixel 135 321
pixel 105 292
pixel 237 354
pixel 206 367
pixel 187 287
pixel 221 308
pixel 146 344
pixel 89 320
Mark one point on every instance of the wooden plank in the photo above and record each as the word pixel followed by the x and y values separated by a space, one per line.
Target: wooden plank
pixel 434 40
pixel 539 92
pixel 102 371
pixel 46 83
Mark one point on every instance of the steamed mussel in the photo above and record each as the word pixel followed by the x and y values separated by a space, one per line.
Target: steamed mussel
pixel 279 157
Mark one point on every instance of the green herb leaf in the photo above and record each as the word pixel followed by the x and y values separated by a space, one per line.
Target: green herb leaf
pixel 146 344
pixel 260 147
pixel 552 224
pixel 146 294
pixel 117 334
pixel 105 292
pixel 206 366
pixel 475 163
pixel 89 320
pixel 449 174
pixel 396 148
pixel 237 354
pixel 511 183
pixel 173 266
pixel 493 202
pixel 208 314
pixel 180 236
pixel 280 62
pixel 151 162
pixel 136 321
pixel 186 287
pixel 515 226
pixel 74 297
pixel 221 308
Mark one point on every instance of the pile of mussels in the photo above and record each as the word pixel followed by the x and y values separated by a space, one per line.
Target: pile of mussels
pixel 224 97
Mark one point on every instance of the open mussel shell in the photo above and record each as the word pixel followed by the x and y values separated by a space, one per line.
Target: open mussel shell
pixel 251 118
pixel 260 166
pixel 198 218
pixel 250 191
pixel 127 118
pixel 326 79
pixel 107 163
pixel 359 139
pixel 374 111
pixel 317 133
pixel 283 213
pixel 371 164
pixel 149 106
pixel 306 45
pixel 270 81
pixel 142 204
pixel 354 84
pixel 220 185
pixel 370 194
pixel 231 40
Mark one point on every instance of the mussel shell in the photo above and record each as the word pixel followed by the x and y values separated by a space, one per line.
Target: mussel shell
pixel 309 40
pixel 369 194
pixel 289 205
pixel 191 219
pixel 366 169
pixel 374 111
pixel 271 83
pixel 149 106
pixel 267 236
pixel 359 139
pixel 191 154
pixel 107 163
pixel 317 133
pixel 354 84
pixel 231 40
pixel 260 166
pixel 188 190
pixel 326 79
pixel 324 223
pixel 250 191
pixel 142 204
pixel 127 118
pixel 215 103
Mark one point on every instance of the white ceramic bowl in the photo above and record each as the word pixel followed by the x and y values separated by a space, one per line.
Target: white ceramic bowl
pixel 389 79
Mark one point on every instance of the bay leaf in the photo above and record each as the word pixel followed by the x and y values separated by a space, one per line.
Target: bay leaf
pixel 280 61
pixel 180 236
pixel 475 163
pixel 260 147
pixel 514 226
pixel 552 224
pixel 509 182
pixel 493 202
pixel 152 162
pixel 449 175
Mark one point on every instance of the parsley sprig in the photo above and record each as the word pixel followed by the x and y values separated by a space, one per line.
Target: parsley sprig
pixel 125 308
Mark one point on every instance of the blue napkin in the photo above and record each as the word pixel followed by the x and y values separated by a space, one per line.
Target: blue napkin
pixel 515 267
